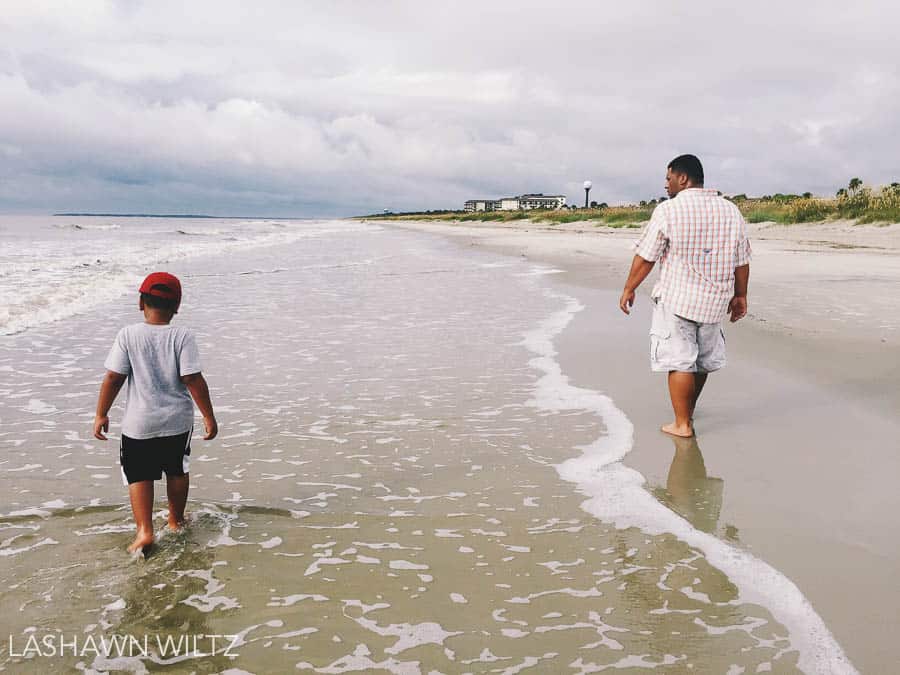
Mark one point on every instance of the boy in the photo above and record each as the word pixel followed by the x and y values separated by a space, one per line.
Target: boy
pixel 161 364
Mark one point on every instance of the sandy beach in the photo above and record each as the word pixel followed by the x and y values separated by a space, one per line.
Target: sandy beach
pixel 800 428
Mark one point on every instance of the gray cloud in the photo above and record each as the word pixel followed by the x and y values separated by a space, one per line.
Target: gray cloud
pixel 347 107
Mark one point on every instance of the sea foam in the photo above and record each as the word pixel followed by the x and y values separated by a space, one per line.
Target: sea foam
pixel 617 495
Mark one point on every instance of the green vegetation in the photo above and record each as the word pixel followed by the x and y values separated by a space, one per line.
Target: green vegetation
pixel 493 216
pixel 464 216
pixel 611 216
pixel 622 216
pixel 855 202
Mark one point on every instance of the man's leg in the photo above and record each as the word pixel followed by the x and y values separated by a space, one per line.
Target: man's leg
pixel 699 381
pixel 683 392
pixel 177 491
pixel 141 494
pixel 710 353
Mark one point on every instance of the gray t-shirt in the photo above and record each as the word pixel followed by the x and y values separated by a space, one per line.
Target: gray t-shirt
pixel 154 358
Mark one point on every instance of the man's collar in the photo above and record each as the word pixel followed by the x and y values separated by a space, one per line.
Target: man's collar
pixel 698 189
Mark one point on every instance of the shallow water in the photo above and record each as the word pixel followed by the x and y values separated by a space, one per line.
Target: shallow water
pixel 383 495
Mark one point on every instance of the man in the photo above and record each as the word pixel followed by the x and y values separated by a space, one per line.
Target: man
pixel 700 241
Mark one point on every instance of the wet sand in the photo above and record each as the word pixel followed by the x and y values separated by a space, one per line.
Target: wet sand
pixel 800 429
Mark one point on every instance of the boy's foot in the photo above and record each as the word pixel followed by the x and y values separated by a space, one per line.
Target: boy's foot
pixel 684 431
pixel 176 525
pixel 142 541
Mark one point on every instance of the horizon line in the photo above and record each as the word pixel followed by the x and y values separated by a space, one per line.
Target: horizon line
pixel 181 215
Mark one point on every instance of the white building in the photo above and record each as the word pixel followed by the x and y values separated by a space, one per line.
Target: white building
pixel 482 205
pixel 541 201
pixel 522 202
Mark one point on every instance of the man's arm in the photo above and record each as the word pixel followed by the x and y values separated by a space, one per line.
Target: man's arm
pixel 109 389
pixel 640 268
pixel 196 384
pixel 738 305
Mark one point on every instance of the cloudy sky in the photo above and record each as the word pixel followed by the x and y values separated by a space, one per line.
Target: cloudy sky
pixel 339 108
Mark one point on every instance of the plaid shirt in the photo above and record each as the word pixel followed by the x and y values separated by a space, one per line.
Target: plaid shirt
pixel 698 238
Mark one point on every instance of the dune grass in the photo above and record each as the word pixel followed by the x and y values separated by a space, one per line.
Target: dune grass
pixel 464 216
pixel 615 216
pixel 485 216
pixel 862 204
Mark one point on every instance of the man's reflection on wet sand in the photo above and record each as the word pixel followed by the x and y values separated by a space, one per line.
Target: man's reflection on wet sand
pixel 690 492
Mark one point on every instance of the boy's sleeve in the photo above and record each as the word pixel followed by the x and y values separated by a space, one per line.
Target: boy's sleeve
pixel 117 360
pixel 655 239
pixel 189 356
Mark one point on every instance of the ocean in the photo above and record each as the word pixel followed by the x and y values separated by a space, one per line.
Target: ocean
pixel 404 481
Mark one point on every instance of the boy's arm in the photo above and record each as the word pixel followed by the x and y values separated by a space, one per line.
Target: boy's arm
pixel 196 384
pixel 109 389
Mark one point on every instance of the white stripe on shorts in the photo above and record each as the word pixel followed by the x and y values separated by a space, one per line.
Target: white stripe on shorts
pixel 122 468
pixel 186 458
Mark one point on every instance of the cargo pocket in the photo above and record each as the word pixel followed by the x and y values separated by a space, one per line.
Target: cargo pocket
pixel 660 332
pixel 659 340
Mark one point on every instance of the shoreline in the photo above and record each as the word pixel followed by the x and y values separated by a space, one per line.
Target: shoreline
pixel 766 425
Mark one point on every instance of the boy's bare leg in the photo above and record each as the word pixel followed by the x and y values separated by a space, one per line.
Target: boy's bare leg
pixel 141 494
pixel 177 491
pixel 683 392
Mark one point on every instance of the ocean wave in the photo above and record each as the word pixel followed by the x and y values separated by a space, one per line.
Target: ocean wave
pixel 205 233
pixel 617 495
pixel 39 306
pixel 83 226
pixel 40 290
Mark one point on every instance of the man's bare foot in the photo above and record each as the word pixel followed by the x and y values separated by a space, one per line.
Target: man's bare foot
pixel 684 431
pixel 175 524
pixel 141 541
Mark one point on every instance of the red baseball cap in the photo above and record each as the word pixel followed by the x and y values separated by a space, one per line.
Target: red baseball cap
pixel 171 287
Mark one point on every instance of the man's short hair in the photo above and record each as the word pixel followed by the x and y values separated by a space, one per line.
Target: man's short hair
pixel 157 302
pixel 688 165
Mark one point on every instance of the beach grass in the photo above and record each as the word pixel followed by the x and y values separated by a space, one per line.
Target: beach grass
pixel 856 202
pixel 493 216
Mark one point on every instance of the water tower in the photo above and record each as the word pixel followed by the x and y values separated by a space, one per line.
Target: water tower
pixel 587 188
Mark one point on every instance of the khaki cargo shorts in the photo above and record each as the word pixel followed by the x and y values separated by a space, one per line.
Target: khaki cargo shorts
pixel 680 344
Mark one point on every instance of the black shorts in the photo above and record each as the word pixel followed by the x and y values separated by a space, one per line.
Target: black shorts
pixel 146 458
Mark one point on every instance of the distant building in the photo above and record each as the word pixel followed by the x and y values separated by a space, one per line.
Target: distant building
pixel 482 205
pixel 520 203
pixel 541 201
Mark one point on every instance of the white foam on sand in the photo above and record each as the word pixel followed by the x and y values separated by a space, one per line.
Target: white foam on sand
pixel 616 495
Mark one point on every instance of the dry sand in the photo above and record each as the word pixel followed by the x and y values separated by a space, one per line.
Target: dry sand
pixel 801 427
